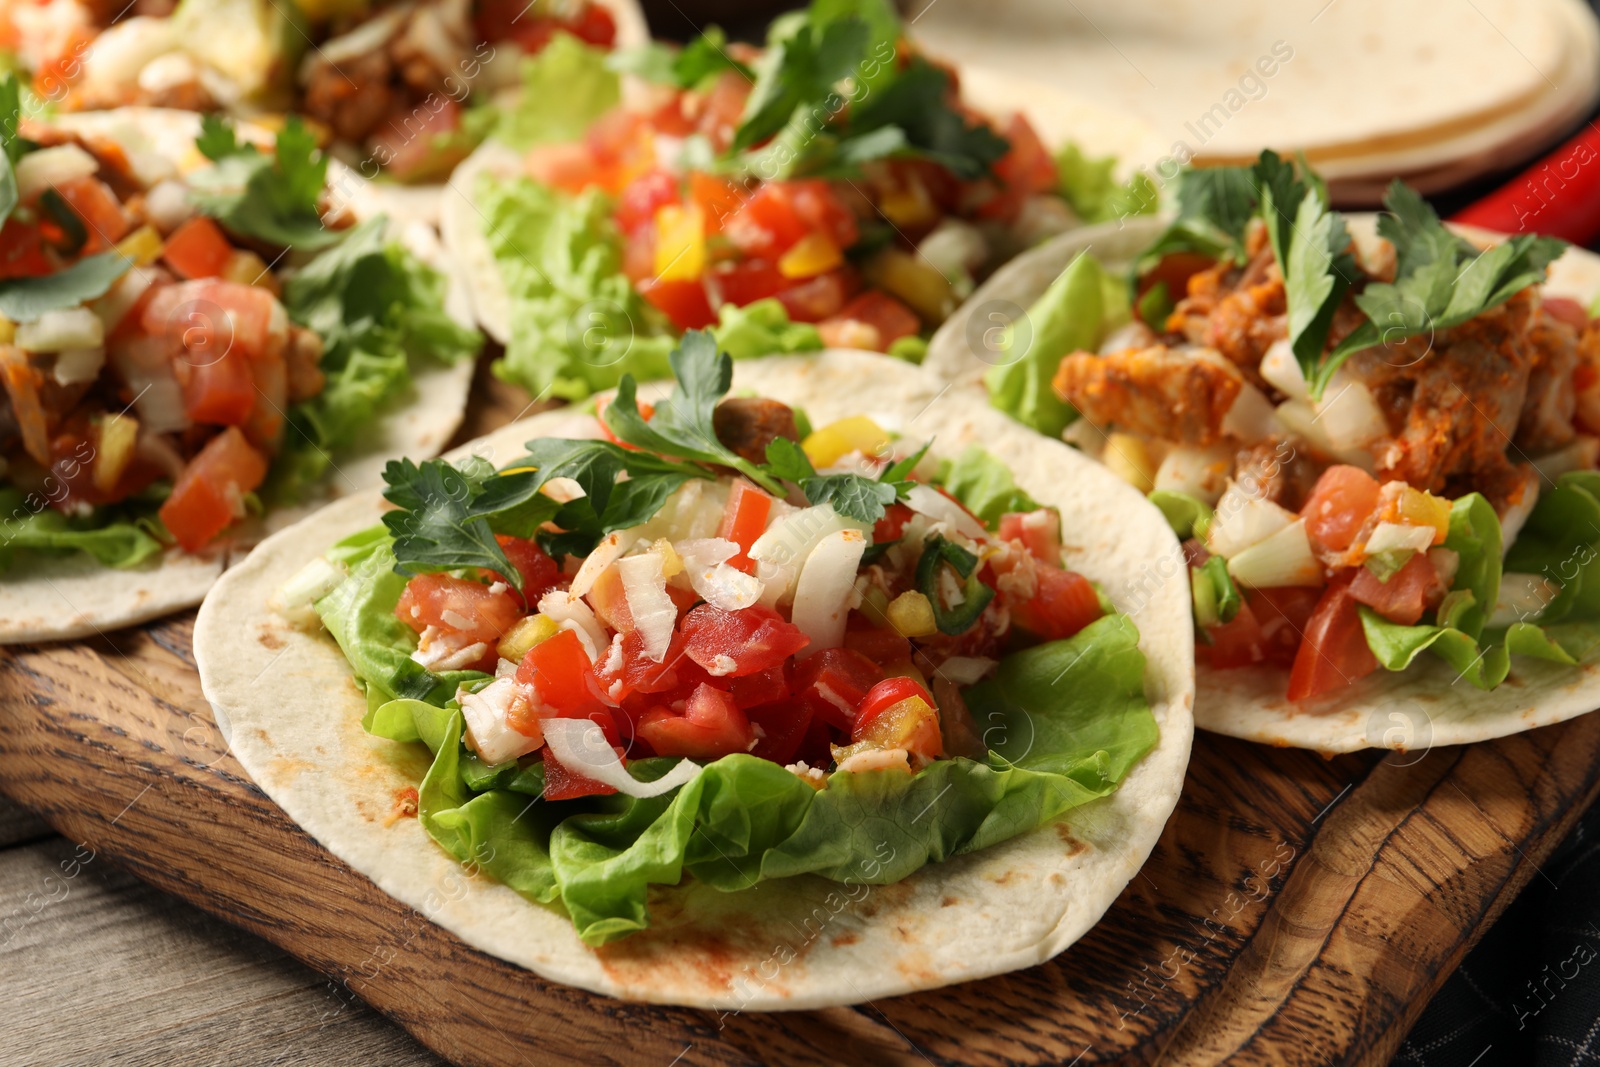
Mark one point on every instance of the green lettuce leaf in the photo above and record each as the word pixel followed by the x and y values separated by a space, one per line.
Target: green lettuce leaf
pixel 113 537
pixel 1561 542
pixel 985 485
pixel 1088 185
pixel 565 88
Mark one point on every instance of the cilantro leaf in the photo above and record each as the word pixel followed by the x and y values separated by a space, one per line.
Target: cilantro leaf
pixel 705 56
pixel 25 299
pixel 854 496
pixel 798 71
pixel 1214 205
pixel 901 470
pixel 682 424
pixel 916 103
pixel 434 529
pixel 271 197
pixel 1318 269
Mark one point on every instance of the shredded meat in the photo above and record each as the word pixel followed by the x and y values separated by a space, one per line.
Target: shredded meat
pixel 1155 391
pixel 1547 411
pixel 1279 470
pixel 351 98
pixel 747 425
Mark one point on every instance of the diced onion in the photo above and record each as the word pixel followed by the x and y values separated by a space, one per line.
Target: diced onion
pixel 144 364
pixel 76 365
pixel 1349 415
pixel 1398 537
pixel 1251 418
pixel 125 48
pixel 607 552
pixel 1285 558
pixel 1282 371
pixel 705 564
pixel 308 585
pixel 823 595
pixel 1134 334
pixel 787 544
pixel 486 712
pixel 61 329
pixel 966 670
pixel 1523 598
pixel 1243 520
pixel 644 584
pixel 925 500
pixel 573 614
pixel 47 167
pixel 581 746
pixel 1200 472
pixel 167 205
pixel 1582 454
pixel 955 249
pixel 121 297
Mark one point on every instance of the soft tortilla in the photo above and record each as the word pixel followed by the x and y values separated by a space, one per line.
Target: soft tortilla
pixel 293 720
pixel 56 598
pixel 1424 705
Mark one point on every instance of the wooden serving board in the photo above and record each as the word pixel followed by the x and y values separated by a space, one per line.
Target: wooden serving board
pixel 1296 909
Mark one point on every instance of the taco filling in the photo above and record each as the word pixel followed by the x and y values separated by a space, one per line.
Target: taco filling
pixel 160 379
pixel 1375 446
pixel 830 189
pixel 713 639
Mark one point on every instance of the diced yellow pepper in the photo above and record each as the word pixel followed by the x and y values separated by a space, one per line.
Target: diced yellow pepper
pixel 909 206
pixel 1418 508
pixel 833 442
pixel 524 635
pixel 247 268
pixel 671 562
pixel 814 254
pixel 680 243
pixel 1129 459
pixel 875 605
pixel 143 246
pixel 8 331
pixel 911 615
pixel 119 435
pixel 914 280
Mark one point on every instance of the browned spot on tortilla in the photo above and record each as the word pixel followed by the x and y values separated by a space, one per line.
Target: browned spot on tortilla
pixel 1074 846
pixel 849 937
pixel 1002 879
pixel 405 806
pixel 949 902
pixel 269 638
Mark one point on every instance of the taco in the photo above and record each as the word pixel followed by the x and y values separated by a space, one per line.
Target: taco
pixel 394 83
pixel 194 351
pixel 1382 456
pixel 755 709
pixel 833 188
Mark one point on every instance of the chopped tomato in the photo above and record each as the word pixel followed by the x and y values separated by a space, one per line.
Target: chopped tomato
pixel 819 298
pixel 1334 653
pixel 1236 643
pixel 884 695
pixel 737 643
pixel 1282 613
pixel 684 302
pixel 415 143
pixel 761 687
pixel 197 249
pixel 711 726
pixel 562 783
pixel 900 716
pixel 888 319
pixel 743 281
pixel 784 727
pixel 559 671
pixel 834 682
pixel 610 602
pixel 879 644
pixel 1338 506
pixel 22 251
pixel 719 199
pixel 1039 531
pixel 540 573
pixel 893 523
pixel 1567 310
pixel 571 168
pixel 209 494
pixel 634 674
pixel 1174 271
pixel 221 391
pixel 594 24
pixel 643 197
pixel 622 144
pixel 100 210
pixel 1025 169
pixel 1065 603
pixel 723 108
pixel 1404 596
pixel 270 376
pixel 780 213
pixel 743 520
pixel 458 606
pixel 209 316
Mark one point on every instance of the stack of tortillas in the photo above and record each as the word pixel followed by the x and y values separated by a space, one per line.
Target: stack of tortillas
pixel 1434 91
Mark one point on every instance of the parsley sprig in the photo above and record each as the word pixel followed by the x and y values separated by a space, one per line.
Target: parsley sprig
pixel 275 197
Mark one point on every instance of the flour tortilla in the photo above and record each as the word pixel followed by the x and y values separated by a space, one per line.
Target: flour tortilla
pixel 56 598
pixel 1421 706
pixel 293 720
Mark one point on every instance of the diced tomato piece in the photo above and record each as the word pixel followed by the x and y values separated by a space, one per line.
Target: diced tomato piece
pixel 100 210
pixel 718 198
pixel 674 678
pixel 221 392
pixel 743 282
pixel 819 298
pixel 684 302
pixel 639 254
pixel 835 681
pixel 415 143
pixel 209 494
pixel 458 606
pixel 540 573
pixel 760 687
pixel 1339 503
pixel 722 108
pixel 1236 643
pixel 593 24
pixel 22 251
pixel 1039 531
pixel 768 224
pixel 893 523
pixel 879 644
pixel 744 519
pixel 1173 271
pixel 711 726
pixel 1065 603
pixel 1567 310
pixel 560 672
pixel 885 694
pixel 1027 165
pixel 270 376
pixel 751 639
pixel 784 728
pixel 643 197
pixel 889 319
pixel 197 249
pixel 563 783
pixel 610 602
pixel 1334 653
pixel 571 168
pixel 1404 596
pixel 622 143
pixel 209 316
pixel 1282 614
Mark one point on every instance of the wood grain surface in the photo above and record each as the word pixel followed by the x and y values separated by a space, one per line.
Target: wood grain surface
pixel 1295 909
